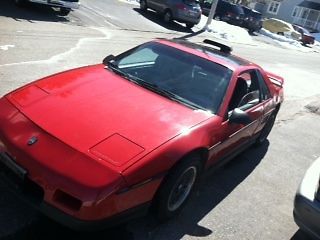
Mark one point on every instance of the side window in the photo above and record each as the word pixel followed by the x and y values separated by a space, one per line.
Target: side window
pixel 247 92
pixel 265 92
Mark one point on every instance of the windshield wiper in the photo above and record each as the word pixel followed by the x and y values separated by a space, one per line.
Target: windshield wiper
pixel 113 67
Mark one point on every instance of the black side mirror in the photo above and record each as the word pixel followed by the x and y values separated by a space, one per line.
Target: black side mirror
pixel 240 117
pixel 107 59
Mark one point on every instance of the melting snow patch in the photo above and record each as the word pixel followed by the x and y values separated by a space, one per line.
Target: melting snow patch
pixel 225 31
pixel 6 47
pixel 287 42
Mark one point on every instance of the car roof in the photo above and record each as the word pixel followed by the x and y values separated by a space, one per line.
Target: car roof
pixel 226 59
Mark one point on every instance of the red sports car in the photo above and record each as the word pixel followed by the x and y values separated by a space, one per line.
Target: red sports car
pixel 91 146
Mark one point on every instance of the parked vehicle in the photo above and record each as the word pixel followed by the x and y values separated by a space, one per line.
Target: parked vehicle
pixel 281 27
pixel 225 11
pixel 307 202
pixel 252 19
pixel 307 37
pixel 185 11
pixel 134 132
pixel 64 5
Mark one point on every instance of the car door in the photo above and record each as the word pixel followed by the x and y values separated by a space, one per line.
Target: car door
pixel 267 101
pixel 233 137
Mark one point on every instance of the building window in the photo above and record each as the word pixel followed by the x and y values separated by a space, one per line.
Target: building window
pixel 274 7
pixel 296 11
pixel 305 13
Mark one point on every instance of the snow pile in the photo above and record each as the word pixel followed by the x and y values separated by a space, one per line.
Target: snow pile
pixel 225 31
pixel 286 42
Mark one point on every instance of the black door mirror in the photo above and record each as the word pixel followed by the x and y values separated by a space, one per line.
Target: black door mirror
pixel 240 117
pixel 107 59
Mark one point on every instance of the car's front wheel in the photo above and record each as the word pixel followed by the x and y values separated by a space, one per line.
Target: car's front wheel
pixel 189 25
pixel 167 17
pixel 143 5
pixel 177 187
pixel 64 11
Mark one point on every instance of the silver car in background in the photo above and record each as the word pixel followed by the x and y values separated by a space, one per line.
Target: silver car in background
pixel 185 11
pixel 307 202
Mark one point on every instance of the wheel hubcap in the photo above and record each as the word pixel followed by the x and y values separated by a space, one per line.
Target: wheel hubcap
pixel 182 188
pixel 167 17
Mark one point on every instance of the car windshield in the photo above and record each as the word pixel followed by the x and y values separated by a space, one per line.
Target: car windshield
pixel 181 76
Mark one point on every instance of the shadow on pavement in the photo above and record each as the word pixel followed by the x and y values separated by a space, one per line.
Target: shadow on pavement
pixel 157 18
pixel 30 12
pixel 213 189
pixel 300 235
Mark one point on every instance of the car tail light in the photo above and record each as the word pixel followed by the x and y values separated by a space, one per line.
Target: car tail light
pixel 181 6
pixel 67 200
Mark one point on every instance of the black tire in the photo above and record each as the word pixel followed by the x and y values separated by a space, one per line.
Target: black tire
pixel 64 11
pixel 167 16
pixel 180 181
pixel 263 135
pixel 143 5
pixel 20 3
pixel 189 25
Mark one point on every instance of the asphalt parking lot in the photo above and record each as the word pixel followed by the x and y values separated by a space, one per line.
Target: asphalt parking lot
pixel 250 198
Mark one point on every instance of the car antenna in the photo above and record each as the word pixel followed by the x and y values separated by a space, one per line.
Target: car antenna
pixel 223 48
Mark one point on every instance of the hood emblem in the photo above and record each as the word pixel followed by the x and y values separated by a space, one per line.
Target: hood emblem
pixel 32 141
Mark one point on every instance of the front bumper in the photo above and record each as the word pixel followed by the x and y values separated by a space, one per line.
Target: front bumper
pixel 58 3
pixel 306 208
pixel 32 195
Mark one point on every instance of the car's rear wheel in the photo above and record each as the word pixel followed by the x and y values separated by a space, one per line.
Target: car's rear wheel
pixel 177 187
pixel 167 17
pixel 266 129
pixel 64 11
pixel 189 25
pixel 143 5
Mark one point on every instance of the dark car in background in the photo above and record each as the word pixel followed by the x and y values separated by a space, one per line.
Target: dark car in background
pixel 306 36
pixel 64 6
pixel 252 20
pixel 225 11
pixel 185 11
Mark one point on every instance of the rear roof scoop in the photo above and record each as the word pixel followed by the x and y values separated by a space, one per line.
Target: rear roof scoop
pixel 223 48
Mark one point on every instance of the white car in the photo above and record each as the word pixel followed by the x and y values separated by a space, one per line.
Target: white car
pixel 307 202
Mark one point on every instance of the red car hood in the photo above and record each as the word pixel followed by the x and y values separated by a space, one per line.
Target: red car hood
pixel 97 112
